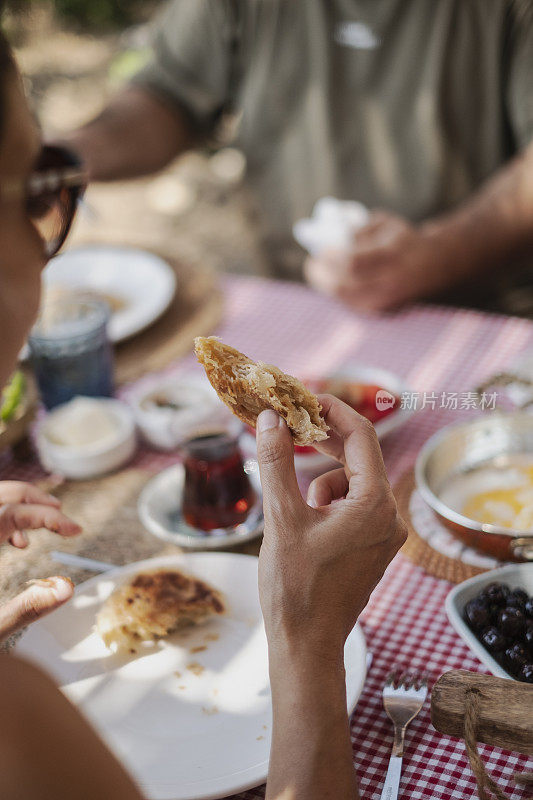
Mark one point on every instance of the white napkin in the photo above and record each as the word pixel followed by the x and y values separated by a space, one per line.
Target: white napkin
pixel 332 224
pixel 521 394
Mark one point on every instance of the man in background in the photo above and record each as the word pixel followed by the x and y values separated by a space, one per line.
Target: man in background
pixel 421 110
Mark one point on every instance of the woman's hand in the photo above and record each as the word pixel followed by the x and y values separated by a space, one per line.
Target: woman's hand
pixel 318 564
pixel 40 598
pixel 320 561
pixel 25 507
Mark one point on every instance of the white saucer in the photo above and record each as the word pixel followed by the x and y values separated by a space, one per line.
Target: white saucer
pixel 159 508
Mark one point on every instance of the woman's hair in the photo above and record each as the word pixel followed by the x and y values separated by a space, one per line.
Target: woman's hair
pixel 6 66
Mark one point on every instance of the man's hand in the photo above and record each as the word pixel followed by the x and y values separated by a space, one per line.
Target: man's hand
pixel 391 263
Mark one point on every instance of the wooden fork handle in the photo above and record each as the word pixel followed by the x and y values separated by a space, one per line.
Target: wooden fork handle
pixel 505 709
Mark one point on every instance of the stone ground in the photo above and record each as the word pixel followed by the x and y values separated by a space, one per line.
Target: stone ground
pixel 196 208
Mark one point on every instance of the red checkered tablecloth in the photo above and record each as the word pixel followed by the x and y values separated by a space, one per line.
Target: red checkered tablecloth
pixel 432 349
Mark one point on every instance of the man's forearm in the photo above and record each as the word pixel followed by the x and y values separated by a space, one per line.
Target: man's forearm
pixel 135 135
pixel 494 225
pixel 311 754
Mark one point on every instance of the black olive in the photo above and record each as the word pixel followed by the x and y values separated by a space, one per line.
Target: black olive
pixel 495 593
pixel 477 614
pixel 511 622
pixel 493 640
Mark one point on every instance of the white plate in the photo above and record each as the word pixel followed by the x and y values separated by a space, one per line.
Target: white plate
pixel 516 576
pixel 142 280
pixel 207 740
pixel 159 509
pixel 356 373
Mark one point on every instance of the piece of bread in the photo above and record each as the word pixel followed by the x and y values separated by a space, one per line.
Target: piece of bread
pixel 154 604
pixel 248 388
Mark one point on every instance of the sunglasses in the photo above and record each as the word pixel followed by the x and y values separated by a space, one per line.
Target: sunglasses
pixel 51 194
pixel 53 191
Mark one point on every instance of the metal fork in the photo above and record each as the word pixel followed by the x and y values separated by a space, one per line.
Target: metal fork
pixel 403 697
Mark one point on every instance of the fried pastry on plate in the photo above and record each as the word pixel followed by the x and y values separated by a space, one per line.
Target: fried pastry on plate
pixel 151 605
pixel 248 387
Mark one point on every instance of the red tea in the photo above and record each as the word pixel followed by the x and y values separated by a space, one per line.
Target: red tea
pixel 217 492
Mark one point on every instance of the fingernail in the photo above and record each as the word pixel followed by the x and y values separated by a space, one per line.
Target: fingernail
pixel 62 588
pixel 54 500
pixel 266 420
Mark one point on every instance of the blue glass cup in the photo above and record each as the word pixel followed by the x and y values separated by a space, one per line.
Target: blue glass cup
pixel 70 350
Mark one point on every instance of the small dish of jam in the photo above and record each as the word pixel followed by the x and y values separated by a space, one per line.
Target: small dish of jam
pixel 374 393
pixel 212 499
pixel 173 409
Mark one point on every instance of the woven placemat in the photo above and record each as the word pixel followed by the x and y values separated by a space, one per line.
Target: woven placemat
pixel 417 549
pixel 106 508
pixel 195 310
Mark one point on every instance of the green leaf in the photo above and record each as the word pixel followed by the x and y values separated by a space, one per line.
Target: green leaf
pixel 12 396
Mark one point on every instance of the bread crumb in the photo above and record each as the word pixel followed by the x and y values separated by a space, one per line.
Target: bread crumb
pixel 195 668
pixel 177 674
pixel 209 711
pixel 181 687
pixel 259 738
pixel 265 728
pixel 199 649
pixel 211 637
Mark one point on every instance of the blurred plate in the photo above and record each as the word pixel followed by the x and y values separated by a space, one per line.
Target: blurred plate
pixel 159 509
pixel 516 576
pixel 191 719
pixel 138 285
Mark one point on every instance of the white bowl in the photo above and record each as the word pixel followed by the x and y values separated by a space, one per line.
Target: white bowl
pixel 315 461
pixel 94 459
pixel 516 576
pixel 167 428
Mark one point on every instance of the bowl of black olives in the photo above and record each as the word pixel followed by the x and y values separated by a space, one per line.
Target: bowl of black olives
pixel 493 613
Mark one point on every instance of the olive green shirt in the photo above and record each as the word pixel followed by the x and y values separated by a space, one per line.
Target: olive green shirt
pixel 407 105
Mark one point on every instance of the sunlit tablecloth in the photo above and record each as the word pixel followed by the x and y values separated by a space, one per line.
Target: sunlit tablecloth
pixel 435 350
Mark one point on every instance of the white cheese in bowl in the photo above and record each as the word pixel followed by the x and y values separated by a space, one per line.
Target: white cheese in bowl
pixel 87 437
pixel 81 422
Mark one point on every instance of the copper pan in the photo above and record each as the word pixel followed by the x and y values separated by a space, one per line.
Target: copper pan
pixel 457 450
